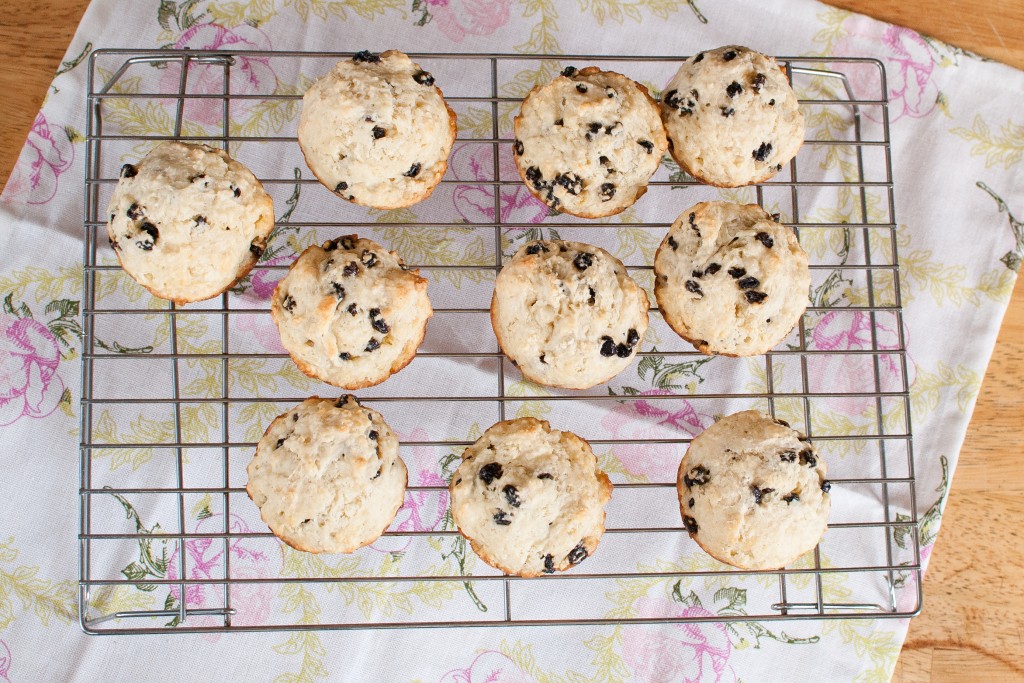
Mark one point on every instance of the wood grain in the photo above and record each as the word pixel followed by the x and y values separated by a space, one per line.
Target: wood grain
pixel 993 28
pixel 972 627
pixel 32 43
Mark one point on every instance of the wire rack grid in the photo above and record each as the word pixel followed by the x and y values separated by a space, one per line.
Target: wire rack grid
pixel 878 467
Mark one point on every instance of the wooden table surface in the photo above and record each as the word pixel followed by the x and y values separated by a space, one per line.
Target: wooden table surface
pixel 972 627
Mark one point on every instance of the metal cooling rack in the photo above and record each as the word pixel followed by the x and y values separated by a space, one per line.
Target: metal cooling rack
pixel 894 570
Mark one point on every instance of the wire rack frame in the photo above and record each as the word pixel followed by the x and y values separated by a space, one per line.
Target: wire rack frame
pixel 142 620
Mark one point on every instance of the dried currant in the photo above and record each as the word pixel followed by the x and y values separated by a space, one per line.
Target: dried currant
pixel 754 297
pixel 423 78
pixel 572 183
pixel 748 282
pixel 765 239
pixel 365 56
pixel 512 495
pixel 583 260
pixel 760 493
pixel 577 554
pixel 534 176
pixel 697 476
pixel 762 152
pixel 490 472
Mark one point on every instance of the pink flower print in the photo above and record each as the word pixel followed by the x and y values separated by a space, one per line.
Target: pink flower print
pixel 5 662
pixel 29 355
pixel 475 203
pixel 909 67
pixel 422 510
pixel 47 154
pixel 264 281
pixel 249 75
pixel 204 559
pixel 642 421
pixel 488 667
pixel 852 373
pixel 457 18
pixel 678 653
pixel 260 329
pixel 910 82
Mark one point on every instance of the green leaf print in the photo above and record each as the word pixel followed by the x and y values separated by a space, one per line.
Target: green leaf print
pixel 929 524
pixel 1012 258
pixel 21 585
pixel 1004 148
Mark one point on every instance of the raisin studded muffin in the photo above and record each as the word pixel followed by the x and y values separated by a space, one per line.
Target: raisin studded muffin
pixel 753 493
pixel 568 314
pixel 732 117
pixel 587 142
pixel 530 499
pixel 730 280
pixel 350 313
pixel 376 130
pixel 188 221
pixel 327 477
